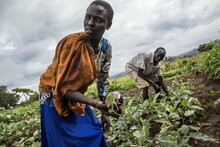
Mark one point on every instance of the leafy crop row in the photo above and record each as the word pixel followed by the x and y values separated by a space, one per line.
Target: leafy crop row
pixel 20 127
pixel 211 63
pixel 207 63
pixel 169 121
pixel 175 117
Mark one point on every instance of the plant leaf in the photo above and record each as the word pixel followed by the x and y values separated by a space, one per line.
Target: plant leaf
pixel 184 129
pixel 137 133
pixel 196 107
pixel 199 135
pixel 189 112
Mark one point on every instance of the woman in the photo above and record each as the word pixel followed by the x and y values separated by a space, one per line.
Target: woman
pixel 80 58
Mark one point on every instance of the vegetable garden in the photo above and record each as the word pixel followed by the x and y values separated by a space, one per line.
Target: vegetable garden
pixel 182 119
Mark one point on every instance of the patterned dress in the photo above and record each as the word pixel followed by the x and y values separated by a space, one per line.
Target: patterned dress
pixel 103 60
pixel 76 130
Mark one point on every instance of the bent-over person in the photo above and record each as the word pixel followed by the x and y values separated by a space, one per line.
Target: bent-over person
pixel 144 69
pixel 80 58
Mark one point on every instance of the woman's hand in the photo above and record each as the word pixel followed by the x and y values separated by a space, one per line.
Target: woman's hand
pixel 100 105
pixel 105 122
pixel 104 109
pixel 76 96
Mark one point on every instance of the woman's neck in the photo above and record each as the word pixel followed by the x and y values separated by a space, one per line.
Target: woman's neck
pixel 94 43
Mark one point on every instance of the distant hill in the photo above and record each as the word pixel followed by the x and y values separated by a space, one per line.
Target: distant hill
pixel 118 75
pixel 194 51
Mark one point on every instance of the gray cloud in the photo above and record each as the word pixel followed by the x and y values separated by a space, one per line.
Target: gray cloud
pixel 31 30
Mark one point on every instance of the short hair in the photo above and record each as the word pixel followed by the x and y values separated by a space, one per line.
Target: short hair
pixel 160 48
pixel 107 6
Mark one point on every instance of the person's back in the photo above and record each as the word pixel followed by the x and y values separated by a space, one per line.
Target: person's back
pixel 144 61
pixel 144 69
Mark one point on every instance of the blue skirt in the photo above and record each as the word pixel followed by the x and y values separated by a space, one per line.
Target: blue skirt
pixel 72 131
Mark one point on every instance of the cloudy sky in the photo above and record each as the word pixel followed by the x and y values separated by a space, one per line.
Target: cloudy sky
pixel 30 30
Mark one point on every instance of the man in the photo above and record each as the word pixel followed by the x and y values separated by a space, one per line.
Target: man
pixel 145 70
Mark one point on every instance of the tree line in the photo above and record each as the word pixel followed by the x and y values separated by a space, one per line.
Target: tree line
pixel 10 99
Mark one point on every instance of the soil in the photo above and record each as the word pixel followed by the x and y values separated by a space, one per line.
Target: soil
pixel 210 123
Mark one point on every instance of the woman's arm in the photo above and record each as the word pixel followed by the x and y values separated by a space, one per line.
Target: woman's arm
pixel 76 96
pixel 79 97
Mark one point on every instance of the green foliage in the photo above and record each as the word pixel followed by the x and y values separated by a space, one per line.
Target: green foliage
pixel 118 84
pixel 10 99
pixel 172 73
pixel 217 102
pixel 171 64
pixel 173 114
pixel 199 135
pixel 7 99
pixel 204 47
pixel 32 98
pixel 124 83
pixel 110 99
pixel 208 46
pixel 207 63
pixel 211 63
pixel 92 91
pixel 20 126
pixel 25 92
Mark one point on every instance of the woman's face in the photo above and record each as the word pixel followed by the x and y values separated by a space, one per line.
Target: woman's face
pixel 95 21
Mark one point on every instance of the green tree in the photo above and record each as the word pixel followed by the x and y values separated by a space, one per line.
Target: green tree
pixel 7 99
pixel 34 97
pixel 24 92
pixel 205 47
pixel 208 46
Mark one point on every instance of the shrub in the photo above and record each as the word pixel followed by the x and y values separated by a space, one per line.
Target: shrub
pixel 174 72
pixel 211 63
pixel 124 83
pixel 20 126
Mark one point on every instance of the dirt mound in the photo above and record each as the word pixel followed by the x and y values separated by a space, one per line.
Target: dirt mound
pixel 210 125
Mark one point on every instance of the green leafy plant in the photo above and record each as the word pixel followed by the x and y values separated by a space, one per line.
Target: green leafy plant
pixel 21 126
pixel 211 63
pixel 217 102
pixel 175 117
pixel 110 99
pixel 172 73
pixel 124 83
